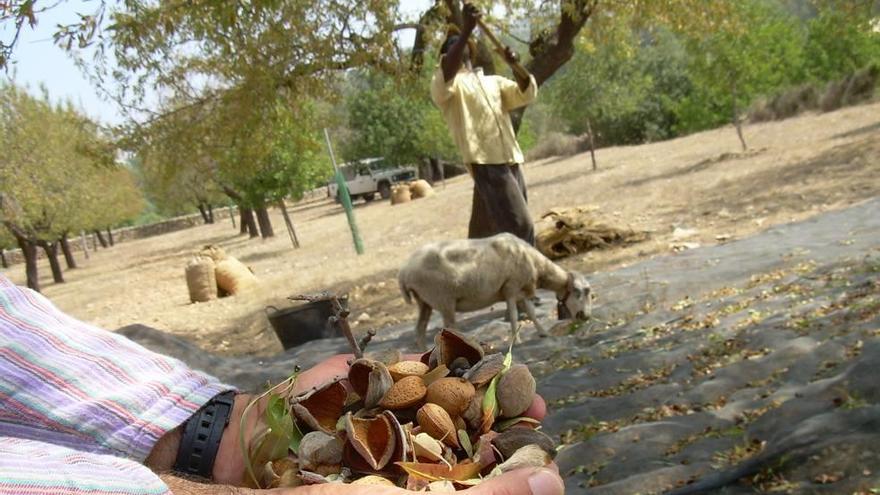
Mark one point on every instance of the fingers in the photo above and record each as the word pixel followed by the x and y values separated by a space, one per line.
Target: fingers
pixel 538 409
pixel 529 481
pixel 323 372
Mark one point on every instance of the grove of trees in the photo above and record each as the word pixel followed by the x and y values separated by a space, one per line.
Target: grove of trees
pixel 58 176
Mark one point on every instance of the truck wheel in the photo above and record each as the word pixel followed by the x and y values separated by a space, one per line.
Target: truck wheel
pixel 385 190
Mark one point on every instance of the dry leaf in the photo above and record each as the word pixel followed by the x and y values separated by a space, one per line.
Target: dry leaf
pixel 439 472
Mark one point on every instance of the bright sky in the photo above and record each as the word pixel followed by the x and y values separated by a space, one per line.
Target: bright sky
pixel 37 61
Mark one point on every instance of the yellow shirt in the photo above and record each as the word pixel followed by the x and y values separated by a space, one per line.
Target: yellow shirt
pixel 476 108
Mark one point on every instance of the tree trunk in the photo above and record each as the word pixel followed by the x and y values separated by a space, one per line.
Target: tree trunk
pixel 100 237
pixel 592 145
pixel 29 250
pixel 110 236
pixel 68 255
pixel 210 213
pixel 737 123
pixel 264 222
pixel 51 250
pixel 232 217
pixel 248 222
pixel 85 245
pixel 3 260
pixel 290 230
pixel 204 212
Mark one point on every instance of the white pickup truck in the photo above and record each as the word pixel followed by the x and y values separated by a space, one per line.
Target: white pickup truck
pixel 369 176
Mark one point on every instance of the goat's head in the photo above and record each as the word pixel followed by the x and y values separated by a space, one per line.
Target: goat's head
pixel 577 300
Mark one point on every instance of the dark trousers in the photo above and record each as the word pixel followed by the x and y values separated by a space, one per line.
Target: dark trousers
pixel 500 203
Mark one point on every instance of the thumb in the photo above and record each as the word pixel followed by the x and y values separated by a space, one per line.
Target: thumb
pixel 526 481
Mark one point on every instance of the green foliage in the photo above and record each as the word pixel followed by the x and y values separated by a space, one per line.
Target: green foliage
pixel 624 83
pixel 758 50
pixel 654 72
pixel 56 172
pixel 840 41
pixel 394 118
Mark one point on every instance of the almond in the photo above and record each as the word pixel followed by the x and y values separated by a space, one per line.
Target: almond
pixel 435 421
pixel 407 368
pixel 452 394
pixel 516 391
pixel 407 392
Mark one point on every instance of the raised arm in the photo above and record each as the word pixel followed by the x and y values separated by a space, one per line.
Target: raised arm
pixel 451 62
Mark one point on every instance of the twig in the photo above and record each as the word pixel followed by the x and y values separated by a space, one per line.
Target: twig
pixel 339 319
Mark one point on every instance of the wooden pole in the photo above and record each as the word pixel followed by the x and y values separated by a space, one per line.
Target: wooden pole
pixel 346 199
pixel 517 68
pixel 290 230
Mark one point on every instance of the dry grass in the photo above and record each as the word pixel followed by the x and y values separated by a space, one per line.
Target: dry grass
pixel 802 167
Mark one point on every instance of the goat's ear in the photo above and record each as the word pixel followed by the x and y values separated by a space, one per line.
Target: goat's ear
pixel 571 282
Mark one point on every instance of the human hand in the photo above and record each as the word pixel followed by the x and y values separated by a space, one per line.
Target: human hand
pixel 470 16
pixel 526 481
pixel 229 466
pixel 510 56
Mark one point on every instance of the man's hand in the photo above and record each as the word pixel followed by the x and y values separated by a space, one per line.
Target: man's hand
pixel 510 56
pixel 526 481
pixel 229 466
pixel 470 15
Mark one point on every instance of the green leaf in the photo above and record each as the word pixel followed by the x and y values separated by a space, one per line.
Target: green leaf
pixel 490 404
pixel 465 442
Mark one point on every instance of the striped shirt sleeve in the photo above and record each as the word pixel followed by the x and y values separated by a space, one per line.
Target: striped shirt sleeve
pixel 28 467
pixel 69 384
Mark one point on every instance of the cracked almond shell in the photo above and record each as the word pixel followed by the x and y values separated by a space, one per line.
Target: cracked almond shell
pixel 370 380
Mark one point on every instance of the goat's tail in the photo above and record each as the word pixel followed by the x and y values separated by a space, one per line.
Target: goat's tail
pixel 404 291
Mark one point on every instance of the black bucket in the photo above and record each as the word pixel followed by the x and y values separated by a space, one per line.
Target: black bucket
pixel 300 324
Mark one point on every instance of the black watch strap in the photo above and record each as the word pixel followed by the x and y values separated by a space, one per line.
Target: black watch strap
pixel 202 434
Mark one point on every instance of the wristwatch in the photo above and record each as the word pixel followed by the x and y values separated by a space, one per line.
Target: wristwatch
pixel 201 436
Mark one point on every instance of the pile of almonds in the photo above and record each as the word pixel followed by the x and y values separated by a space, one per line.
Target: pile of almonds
pixel 445 422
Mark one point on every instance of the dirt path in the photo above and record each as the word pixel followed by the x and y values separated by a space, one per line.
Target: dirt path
pixel 798 168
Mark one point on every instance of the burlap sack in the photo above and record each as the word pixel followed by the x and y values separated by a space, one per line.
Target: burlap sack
pixel 233 276
pixel 200 279
pixel 216 253
pixel 421 189
pixel 400 194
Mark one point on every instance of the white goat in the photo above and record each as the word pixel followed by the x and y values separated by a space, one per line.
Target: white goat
pixel 471 274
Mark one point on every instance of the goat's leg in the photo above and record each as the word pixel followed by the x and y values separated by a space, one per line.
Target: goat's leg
pixel 448 317
pixel 530 310
pixel 513 317
pixel 422 325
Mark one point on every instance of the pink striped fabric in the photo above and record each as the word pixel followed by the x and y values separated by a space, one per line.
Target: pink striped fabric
pixel 68 387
